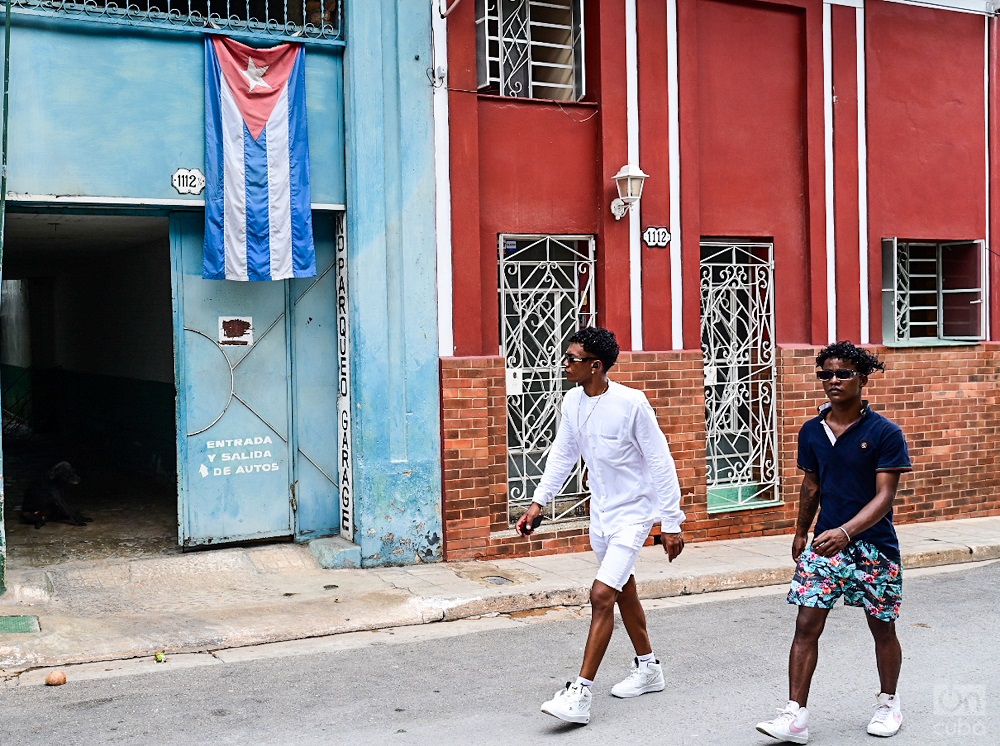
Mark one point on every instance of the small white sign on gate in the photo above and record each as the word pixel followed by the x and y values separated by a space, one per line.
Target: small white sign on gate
pixel 236 330
pixel 515 382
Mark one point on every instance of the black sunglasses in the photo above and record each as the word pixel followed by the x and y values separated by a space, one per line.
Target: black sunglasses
pixel 567 358
pixel 842 374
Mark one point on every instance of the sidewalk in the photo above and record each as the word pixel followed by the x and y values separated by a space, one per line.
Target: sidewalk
pixel 228 598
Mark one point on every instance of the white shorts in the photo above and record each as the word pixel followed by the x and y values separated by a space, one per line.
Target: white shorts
pixel 618 553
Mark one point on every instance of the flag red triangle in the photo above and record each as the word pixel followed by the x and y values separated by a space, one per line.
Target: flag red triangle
pixel 256 77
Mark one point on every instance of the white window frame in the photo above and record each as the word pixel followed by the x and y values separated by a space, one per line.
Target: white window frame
pixel 979 7
pixel 898 271
pixel 509 47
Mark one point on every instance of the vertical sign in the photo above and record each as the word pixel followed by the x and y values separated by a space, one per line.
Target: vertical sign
pixel 344 387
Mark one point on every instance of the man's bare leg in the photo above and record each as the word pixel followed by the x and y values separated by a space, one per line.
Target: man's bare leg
pixel 602 624
pixel 888 653
pixel 634 618
pixel 802 657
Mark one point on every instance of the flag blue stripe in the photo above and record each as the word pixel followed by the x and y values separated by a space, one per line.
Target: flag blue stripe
pixel 214 267
pixel 258 199
pixel 303 249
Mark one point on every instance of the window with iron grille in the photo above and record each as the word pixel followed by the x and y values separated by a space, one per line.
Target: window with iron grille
pixel 291 20
pixel 932 291
pixel 531 48
pixel 737 342
pixel 546 292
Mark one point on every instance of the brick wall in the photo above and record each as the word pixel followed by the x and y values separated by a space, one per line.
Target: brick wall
pixel 945 399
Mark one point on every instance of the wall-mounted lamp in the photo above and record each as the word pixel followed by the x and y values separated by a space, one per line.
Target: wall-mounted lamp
pixel 629 182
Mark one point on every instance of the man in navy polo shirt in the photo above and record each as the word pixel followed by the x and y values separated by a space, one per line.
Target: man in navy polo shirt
pixel 852 458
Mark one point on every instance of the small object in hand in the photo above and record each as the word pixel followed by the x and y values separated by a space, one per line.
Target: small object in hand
pixel 528 530
pixel 160 656
pixel 55 678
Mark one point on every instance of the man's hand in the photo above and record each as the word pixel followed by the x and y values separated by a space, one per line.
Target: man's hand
pixel 799 545
pixel 673 545
pixel 525 520
pixel 830 542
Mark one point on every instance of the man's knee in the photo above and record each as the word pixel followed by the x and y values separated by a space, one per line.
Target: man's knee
pixel 602 596
pixel 881 630
pixel 809 623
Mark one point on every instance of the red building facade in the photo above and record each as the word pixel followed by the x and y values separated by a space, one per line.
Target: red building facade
pixel 825 171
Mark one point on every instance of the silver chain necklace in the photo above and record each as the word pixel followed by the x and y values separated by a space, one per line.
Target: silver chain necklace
pixel 597 400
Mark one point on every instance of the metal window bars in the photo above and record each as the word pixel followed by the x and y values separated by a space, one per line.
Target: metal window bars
pixel 284 20
pixel 737 341
pixel 531 48
pixel 933 290
pixel 546 288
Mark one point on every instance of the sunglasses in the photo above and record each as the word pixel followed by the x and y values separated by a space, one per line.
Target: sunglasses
pixel 567 358
pixel 842 374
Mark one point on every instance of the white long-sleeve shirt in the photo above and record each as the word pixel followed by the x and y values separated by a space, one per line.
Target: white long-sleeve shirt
pixel 631 474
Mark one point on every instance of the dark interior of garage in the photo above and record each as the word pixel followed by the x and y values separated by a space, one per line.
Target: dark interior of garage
pixel 86 368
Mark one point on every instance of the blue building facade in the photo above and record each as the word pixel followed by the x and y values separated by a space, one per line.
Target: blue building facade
pixel 317 419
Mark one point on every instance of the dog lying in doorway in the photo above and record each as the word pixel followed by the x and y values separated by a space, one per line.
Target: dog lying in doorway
pixel 46 498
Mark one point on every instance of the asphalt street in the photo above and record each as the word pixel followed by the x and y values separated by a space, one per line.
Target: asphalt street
pixel 482 682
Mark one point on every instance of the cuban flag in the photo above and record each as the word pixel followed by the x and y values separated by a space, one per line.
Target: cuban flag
pixel 258 223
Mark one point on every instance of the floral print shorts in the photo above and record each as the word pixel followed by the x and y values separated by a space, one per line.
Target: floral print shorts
pixel 861 574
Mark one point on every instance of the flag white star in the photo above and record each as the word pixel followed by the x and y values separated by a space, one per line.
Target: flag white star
pixel 254 74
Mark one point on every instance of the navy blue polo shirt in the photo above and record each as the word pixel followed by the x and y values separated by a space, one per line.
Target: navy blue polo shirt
pixel 847 471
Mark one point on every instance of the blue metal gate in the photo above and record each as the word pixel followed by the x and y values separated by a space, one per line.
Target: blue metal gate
pixel 256 369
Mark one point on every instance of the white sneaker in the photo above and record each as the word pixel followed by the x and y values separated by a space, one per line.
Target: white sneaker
pixel 792 724
pixel 571 704
pixel 887 718
pixel 645 677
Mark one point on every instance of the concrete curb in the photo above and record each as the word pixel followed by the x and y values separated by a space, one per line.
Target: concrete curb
pixel 691 584
pixel 951 554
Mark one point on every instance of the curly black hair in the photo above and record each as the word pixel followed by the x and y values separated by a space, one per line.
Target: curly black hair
pixel 863 360
pixel 600 343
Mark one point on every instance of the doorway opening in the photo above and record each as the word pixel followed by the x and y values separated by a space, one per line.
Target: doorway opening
pixel 87 375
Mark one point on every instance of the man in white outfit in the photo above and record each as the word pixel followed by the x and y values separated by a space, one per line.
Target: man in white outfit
pixel 633 484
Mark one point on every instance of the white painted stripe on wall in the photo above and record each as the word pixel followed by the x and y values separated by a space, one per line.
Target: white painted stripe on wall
pixel 442 191
pixel 674 152
pixel 863 180
pixel 634 217
pixel 831 243
pixel 985 262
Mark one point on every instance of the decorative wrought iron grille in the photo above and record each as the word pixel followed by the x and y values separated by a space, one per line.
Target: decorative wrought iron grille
pixel 286 20
pixel 932 290
pixel 531 48
pixel 737 342
pixel 546 294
